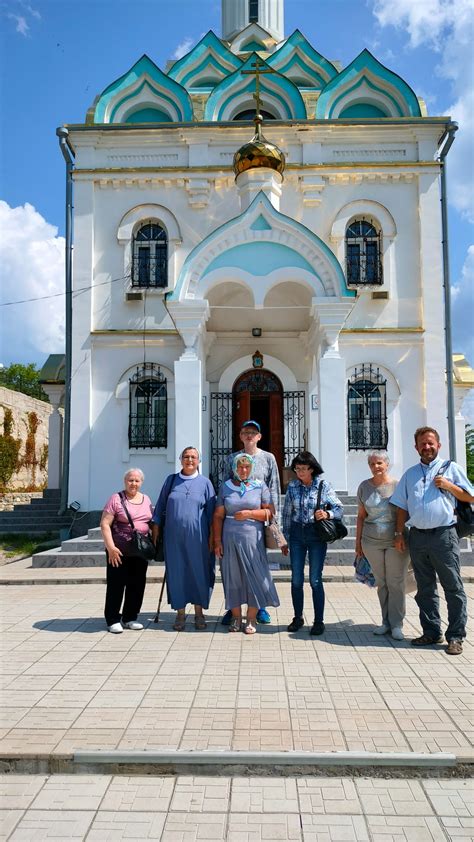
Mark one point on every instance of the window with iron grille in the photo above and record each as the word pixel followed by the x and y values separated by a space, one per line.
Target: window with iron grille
pixel 363 253
pixel 150 256
pixel 367 409
pixel 253 10
pixel 148 418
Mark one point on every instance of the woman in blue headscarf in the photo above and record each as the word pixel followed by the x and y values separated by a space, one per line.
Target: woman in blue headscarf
pixel 243 505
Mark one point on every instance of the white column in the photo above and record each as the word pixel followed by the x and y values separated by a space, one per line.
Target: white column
pixel 80 469
pixel 190 318
pixel 55 393
pixel 330 316
pixel 431 279
pixel 332 415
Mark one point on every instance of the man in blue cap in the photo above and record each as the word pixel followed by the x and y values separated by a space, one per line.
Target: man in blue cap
pixel 265 469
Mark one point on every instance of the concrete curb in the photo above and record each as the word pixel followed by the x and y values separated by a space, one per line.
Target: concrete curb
pixel 228 763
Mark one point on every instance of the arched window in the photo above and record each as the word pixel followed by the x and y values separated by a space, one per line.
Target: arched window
pixel 148 414
pixel 367 409
pixel 150 256
pixel 363 253
pixel 253 11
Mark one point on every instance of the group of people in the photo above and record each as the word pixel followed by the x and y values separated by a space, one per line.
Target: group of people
pixel 200 527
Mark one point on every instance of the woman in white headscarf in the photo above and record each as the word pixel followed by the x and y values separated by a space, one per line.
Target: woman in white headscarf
pixel 243 505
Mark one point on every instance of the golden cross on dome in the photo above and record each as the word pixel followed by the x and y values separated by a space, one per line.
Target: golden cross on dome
pixel 260 68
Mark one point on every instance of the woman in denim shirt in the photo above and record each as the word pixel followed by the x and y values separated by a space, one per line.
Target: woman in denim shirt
pixel 299 514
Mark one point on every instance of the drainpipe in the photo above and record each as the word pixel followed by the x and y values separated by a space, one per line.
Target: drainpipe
pixel 66 151
pixel 447 139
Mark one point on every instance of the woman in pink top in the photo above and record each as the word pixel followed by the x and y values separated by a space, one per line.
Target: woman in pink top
pixel 125 573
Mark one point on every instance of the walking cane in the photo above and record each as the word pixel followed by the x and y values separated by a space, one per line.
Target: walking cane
pixel 157 615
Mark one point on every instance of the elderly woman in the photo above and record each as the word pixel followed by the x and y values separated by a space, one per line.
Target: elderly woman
pixel 187 502
pixel 299 515
pixel 375 539
pixel 243 505
pixel 126 573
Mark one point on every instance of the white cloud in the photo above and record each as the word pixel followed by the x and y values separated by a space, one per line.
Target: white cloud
pixel 21 24
pixel 447 27
pixel 32 266
pixel 183 48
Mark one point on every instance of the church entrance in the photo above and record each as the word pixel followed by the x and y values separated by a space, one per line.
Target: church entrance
pixel 258 395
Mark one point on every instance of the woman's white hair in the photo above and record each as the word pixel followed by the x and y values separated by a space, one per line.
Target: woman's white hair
pixel 134 471
pixel 379 454
pixel 190 447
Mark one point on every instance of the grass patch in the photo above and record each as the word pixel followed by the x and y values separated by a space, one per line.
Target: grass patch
pixel 26 545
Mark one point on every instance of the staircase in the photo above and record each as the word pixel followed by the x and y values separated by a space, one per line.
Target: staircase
pixel 38 516
pixel 88 551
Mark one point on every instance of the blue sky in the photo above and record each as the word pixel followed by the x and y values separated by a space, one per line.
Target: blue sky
pixel 58 54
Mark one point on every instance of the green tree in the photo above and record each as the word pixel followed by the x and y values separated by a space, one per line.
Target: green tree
pixel 470 451
pixel 23 378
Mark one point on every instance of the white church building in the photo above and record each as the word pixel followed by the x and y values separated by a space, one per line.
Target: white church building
pixel 287 269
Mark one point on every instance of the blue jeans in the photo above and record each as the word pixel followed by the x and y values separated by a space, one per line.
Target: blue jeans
pixel 303 540
pixel 438 553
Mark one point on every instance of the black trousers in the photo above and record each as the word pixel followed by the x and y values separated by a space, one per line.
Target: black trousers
pixel 128 577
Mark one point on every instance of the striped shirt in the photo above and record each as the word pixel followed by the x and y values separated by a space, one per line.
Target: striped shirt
pixel 301 500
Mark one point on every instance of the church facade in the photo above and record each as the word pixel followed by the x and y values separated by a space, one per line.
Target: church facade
pixel 289 272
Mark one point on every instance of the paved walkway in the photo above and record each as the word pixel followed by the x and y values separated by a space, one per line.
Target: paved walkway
pixel 69 685
pixel 101 808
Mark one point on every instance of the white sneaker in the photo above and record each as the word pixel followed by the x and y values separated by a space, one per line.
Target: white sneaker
pixel 397 633
pixel 133 625
pixel 383 629
pixel 115 628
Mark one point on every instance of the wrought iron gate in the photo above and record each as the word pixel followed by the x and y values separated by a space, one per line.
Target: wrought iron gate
pixel 221 435
pixel 293 425
pixel 293 422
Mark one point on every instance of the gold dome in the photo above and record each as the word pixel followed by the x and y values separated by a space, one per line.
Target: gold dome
pixel 259 152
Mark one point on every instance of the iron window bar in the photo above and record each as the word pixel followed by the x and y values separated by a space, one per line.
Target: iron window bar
pixel 363 254
pixel 148 417
pixel 150 257
pixel 367 409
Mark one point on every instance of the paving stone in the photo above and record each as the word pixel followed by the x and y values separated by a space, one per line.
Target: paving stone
pixel 119 827
pixel 317 828
pixel 405 829
pixel 40 825
pixel 451 797
pixel 268 827
pixel 8 821
pixel 201 795
pixel 264 795
pixel 71 792
pixel 18 791
pixel 139 794
pixel 328 795
pixel 195 827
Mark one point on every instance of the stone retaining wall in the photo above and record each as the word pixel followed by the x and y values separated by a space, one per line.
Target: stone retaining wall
pixel 21 406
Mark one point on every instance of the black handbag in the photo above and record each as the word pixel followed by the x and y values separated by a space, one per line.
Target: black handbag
pixel 462 511
pixel 160 544
pixel 141 545
pixel 329 529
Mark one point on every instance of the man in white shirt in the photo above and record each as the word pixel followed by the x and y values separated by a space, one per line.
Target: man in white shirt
pixel 425 498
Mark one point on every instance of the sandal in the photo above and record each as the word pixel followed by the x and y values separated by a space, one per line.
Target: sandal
pixel 180 623
pixel 426 640
pixel 235 625
pixel 200 622
pixel 250 628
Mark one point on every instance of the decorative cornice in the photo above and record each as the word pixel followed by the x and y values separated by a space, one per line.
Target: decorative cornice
pixel 383 330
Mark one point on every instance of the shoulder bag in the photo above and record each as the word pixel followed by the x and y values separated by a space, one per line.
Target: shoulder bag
pixel 329 529
pixel 462 511
pixel 141 544
pixel 274 538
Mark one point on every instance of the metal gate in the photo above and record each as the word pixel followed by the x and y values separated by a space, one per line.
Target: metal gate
pixel 221 430
pixel 221 435
pixel 293 425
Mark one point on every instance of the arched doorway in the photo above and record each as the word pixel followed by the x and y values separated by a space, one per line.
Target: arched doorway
pixel 258 394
